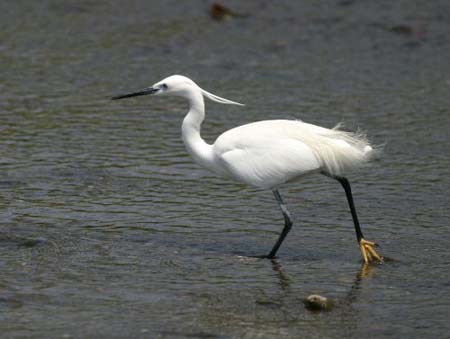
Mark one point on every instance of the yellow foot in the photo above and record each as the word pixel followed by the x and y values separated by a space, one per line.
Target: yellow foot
pixel 368 253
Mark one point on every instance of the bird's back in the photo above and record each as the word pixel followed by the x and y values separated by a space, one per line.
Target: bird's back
pixel 268 153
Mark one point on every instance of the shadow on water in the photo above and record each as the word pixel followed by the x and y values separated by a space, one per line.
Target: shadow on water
pixel 8 239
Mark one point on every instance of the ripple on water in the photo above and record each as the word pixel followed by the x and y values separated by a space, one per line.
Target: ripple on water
pixel 108 227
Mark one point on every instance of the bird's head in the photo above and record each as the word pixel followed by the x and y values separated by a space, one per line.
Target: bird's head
pixel 177 85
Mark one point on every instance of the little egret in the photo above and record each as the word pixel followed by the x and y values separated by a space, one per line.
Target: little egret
pixel 266 154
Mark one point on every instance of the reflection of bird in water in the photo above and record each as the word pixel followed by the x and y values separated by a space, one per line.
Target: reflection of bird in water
pixel 364 273
pixel 269 153
pixel 284 280
pixel 317 302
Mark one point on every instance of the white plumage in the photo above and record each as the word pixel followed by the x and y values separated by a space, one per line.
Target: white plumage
pixel 266 154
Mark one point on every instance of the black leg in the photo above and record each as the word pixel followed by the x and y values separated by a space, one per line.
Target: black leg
pixel 287 224
pixel 367 247
pixel 348 191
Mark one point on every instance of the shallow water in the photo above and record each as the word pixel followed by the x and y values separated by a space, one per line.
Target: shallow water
pixel 109 230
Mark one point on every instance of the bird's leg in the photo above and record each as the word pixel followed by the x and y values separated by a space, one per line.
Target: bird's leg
pixel 287 224
pixel 367 247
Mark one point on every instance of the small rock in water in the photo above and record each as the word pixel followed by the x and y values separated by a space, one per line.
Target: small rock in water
pixel 316 302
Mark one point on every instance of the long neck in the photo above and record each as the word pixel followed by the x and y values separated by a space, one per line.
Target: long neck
pixel 195 145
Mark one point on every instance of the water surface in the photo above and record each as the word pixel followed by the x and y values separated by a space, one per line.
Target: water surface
pixel 108 229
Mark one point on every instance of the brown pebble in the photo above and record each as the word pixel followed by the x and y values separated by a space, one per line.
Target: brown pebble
pixel 218 11
pixel 402 29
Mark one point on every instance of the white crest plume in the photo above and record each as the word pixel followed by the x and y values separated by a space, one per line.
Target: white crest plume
pixel 218 99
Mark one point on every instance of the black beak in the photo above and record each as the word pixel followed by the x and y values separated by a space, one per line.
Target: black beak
pixel 145 91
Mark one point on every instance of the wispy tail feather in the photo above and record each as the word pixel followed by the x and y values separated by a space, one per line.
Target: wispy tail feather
pixel 341 151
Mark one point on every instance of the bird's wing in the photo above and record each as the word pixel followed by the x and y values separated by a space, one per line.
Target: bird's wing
pixel 268 162
pixel 278 150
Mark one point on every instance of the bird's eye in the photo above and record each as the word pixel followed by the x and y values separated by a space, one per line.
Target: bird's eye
pixel 164 86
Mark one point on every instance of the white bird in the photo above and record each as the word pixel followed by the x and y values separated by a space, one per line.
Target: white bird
pixel 269 153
